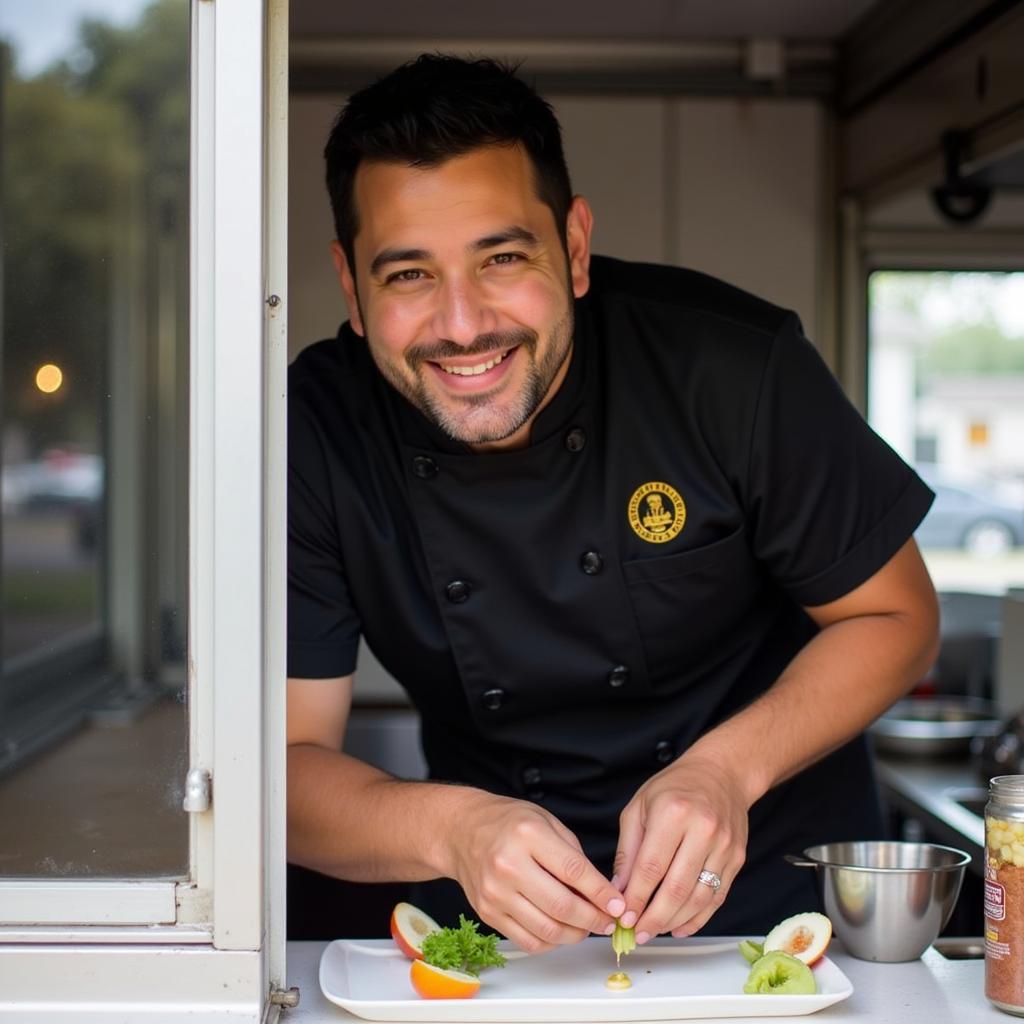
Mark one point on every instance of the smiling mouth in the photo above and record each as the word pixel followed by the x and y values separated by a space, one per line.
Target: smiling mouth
pixel 476 369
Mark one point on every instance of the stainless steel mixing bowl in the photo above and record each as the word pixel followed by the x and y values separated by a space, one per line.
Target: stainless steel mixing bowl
pixel 887 901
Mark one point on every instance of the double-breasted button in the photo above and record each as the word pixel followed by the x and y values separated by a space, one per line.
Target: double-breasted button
pixel 576 439
pixel 492 699
pixel 663 752
pixel 591 562
pixel 424 467
pixel 457 591
pixel 618 676
pixel 532 776
pixel 535 794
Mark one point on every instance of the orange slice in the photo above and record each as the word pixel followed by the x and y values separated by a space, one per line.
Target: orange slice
pixel 436 983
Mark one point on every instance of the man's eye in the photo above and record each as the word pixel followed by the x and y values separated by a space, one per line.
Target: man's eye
pixel 505 258
pixel 405 275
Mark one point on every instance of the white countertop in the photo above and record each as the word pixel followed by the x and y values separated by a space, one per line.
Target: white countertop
pixel 932 990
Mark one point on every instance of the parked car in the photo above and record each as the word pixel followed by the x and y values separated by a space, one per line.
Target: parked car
pixel 65 483
pixel 974 518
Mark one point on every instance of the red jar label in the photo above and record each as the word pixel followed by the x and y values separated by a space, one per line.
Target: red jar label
pixel 995 901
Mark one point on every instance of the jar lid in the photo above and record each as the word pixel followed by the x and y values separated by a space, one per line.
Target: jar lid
pixel 1007 787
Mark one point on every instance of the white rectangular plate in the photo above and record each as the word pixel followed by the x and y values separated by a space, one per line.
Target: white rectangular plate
pixel 672 980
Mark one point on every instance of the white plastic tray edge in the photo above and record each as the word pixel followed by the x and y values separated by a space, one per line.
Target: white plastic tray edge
pixel 551 1008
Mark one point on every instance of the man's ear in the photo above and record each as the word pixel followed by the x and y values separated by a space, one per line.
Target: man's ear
pixel 347 280
pixel 579 225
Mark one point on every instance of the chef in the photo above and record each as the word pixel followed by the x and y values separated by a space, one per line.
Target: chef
pixel 644 572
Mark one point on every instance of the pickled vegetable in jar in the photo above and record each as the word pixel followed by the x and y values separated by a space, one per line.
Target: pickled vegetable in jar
pixel 1004 894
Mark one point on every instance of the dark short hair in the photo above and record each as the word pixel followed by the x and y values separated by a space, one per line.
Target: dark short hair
pixel 432 109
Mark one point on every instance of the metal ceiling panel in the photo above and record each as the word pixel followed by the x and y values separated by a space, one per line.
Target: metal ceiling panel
pixel 595 19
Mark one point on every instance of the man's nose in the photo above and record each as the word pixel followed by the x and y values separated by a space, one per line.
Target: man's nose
pixel 462 314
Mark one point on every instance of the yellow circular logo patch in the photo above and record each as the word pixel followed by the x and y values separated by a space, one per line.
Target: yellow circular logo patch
pixel 656 512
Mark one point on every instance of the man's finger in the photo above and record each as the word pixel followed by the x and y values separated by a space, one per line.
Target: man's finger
pixel 661 841
pixel 571 867
pixel 694 924
pixel 681 895
pixel 522 936
pixel 545 928
pixel 563 905
pixel 686 923
pixel 631 834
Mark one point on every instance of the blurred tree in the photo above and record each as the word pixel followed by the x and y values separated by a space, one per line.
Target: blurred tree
pixel 901 289
pixel 978 348
pixel 95 166
pixel 965 337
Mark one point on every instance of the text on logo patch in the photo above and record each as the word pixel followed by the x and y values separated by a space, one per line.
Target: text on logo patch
pixel 656 512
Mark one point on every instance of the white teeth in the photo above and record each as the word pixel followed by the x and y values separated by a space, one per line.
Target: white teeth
pixel 472 371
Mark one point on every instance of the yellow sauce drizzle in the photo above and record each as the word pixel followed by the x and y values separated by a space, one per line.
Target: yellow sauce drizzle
pixel 618 981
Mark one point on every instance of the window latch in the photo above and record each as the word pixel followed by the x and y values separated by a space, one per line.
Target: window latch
pixel 197 791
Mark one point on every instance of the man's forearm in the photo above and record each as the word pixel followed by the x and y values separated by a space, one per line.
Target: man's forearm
pixel 351 820
pixel 522 871
pixel 838 684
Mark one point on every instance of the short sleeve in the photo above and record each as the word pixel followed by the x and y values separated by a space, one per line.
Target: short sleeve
pixel 829 502
pixel 323 627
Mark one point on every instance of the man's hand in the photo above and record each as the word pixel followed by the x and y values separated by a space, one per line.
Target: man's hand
pixel 526 874
pixel 690 817
pixel 523 871
pixel 875 642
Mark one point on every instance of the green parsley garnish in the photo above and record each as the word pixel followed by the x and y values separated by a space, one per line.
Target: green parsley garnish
pixel 462 948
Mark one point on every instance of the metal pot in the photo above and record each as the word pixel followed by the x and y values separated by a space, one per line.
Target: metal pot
pixel 1001 753
pixel 934 726
pixel 887 901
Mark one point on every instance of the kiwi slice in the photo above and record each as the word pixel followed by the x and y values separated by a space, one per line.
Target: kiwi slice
pixel 779 973
pixel 752 951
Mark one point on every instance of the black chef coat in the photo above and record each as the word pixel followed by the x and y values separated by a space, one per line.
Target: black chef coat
pixel 570 616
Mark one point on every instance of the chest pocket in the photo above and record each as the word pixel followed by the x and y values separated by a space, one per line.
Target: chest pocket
pixel 690 607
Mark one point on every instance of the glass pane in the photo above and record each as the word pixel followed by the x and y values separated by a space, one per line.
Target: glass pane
pixel 946 390
pixel 94 131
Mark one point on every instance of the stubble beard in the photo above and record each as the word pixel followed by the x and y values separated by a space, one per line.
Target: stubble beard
pixel 486 417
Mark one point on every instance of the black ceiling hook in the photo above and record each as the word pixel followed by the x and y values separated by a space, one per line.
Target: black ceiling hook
pixel 958 199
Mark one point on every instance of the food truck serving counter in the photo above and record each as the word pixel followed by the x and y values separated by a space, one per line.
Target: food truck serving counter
pixel 923 991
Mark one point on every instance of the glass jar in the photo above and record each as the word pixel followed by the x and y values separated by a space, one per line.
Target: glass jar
pixel 1004 893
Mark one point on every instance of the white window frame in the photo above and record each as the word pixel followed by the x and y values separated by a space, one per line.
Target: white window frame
pixel 211 948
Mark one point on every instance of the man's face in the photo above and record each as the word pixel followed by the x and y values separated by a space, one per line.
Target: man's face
pixel 465 291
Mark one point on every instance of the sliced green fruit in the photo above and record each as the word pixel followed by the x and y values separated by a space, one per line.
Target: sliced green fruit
pixel 752 951
pixel 780 974
pixel 623 940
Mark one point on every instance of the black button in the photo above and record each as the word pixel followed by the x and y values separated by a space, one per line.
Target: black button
pixel 576 439
pixel 491 699
pixel 591 562
pixel 618 676
pixel 424 467
pixel 532 776
pixel 457 591
pixel 535 794
pixel 663 752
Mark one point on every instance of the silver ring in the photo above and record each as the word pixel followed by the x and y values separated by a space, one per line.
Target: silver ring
pixel 710 879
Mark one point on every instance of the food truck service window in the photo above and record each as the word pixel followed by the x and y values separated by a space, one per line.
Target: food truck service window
pixel 142 364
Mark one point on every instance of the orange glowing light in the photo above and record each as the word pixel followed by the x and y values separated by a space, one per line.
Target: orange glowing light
pixel 49 378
